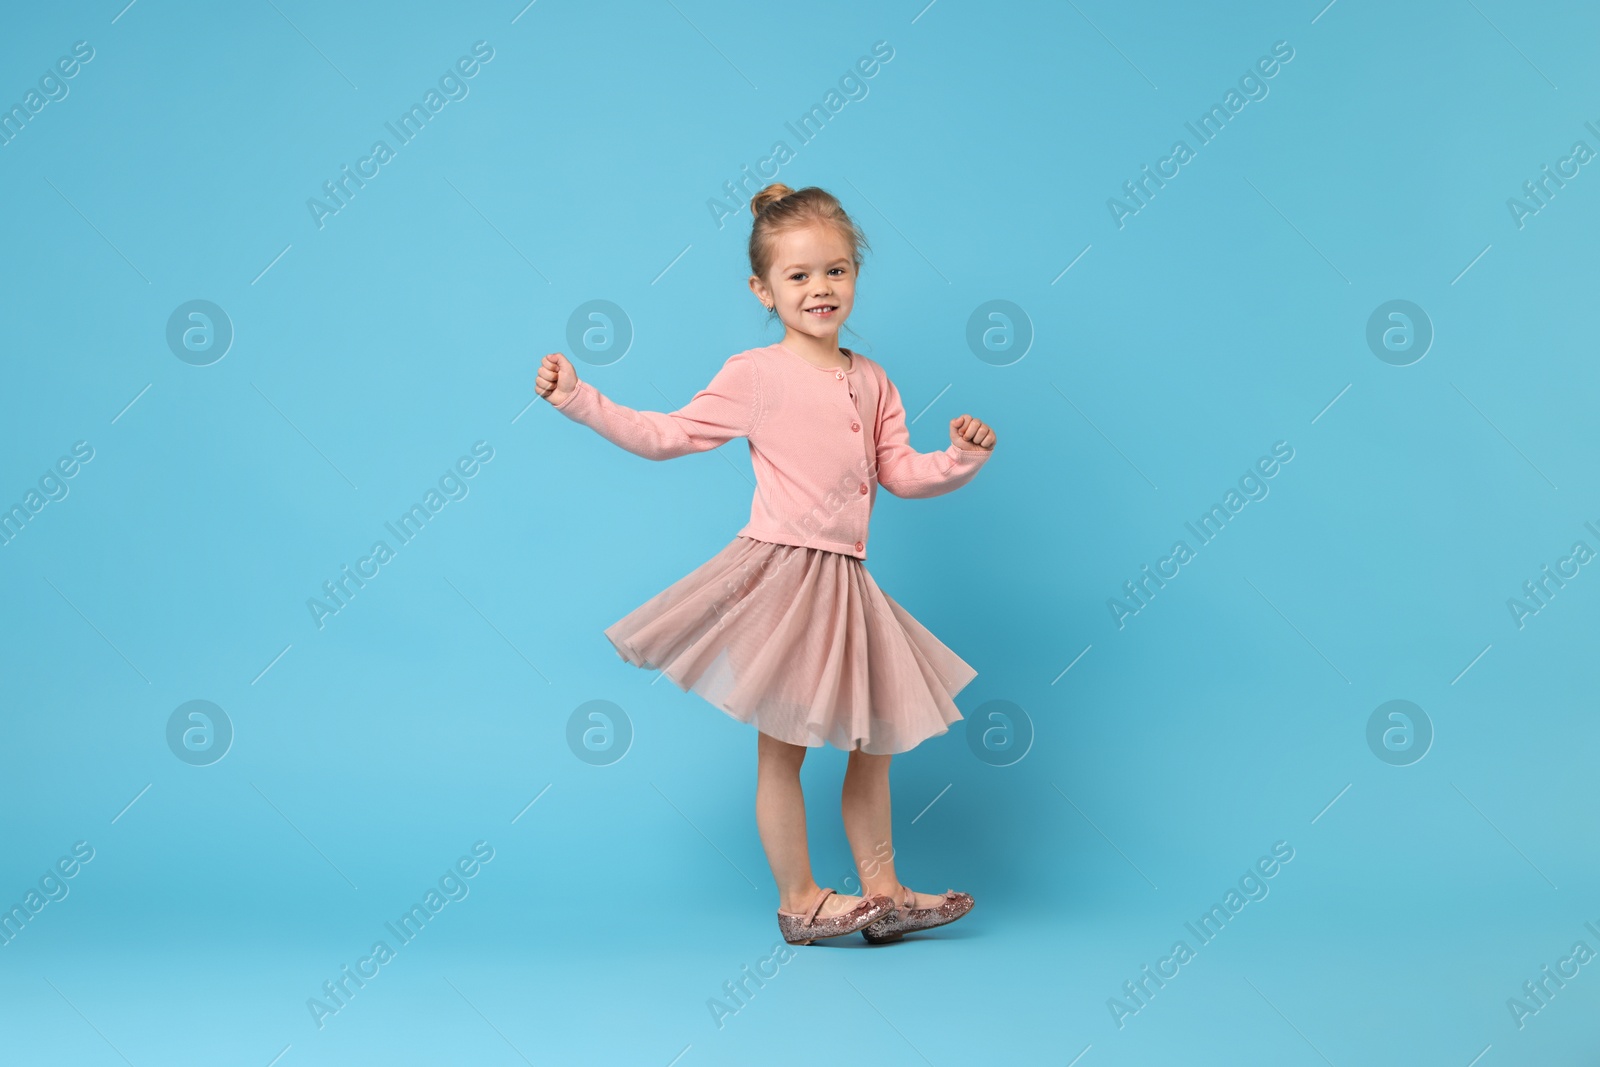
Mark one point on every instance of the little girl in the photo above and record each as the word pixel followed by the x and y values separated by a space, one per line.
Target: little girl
pixel 784 628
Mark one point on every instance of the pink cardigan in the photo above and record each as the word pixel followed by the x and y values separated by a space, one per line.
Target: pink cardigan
pixel 821 442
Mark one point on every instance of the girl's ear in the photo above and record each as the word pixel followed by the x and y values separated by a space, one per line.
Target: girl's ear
pixel 758 287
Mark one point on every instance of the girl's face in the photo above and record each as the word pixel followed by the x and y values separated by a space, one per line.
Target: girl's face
pixel 812 281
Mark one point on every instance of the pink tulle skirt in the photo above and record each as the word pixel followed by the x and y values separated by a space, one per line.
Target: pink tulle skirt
pixel 801 643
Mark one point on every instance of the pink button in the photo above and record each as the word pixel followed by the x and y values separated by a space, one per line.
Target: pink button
pixel 859 546
pixel 856 426
pixel 863 490
pixel 839 374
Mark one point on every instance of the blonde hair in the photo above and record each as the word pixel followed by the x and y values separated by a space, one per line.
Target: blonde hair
pixel 779 209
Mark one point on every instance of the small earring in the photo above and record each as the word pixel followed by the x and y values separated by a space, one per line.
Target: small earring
pixel 767 306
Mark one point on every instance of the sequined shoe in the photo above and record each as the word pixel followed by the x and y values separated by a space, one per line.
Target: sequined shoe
pixel 908 917
pixel 802 928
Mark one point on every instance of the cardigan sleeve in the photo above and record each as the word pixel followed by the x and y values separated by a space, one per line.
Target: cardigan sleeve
pixel 728 407
pixel 906 472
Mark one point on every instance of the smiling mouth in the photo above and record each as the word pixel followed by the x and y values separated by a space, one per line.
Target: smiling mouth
pixel 822 310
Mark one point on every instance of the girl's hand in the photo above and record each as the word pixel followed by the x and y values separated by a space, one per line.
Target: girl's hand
pixel 968 433
pixel 556 379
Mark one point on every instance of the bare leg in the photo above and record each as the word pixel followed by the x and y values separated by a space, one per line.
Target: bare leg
pixel 868 823
pixel 781 819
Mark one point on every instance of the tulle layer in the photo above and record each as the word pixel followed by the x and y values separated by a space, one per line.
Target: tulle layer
pixel 801 643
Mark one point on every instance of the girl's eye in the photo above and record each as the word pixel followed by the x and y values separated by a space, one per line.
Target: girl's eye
pixel 796 277
pixel 837 270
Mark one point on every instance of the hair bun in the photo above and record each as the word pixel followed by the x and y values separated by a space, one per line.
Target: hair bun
pixel 768 196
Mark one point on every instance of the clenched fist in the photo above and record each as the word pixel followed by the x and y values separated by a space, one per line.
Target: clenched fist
pixel 556 379
pixel 968 433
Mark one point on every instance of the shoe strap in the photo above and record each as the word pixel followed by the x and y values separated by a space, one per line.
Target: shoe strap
pixel 910 897
pixel 816 905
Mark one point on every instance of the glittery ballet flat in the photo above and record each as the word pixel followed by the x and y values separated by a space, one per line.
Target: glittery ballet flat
pixel 908 918
pixel 803 928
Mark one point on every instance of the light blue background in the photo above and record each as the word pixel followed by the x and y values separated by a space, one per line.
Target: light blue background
pixel 1227 315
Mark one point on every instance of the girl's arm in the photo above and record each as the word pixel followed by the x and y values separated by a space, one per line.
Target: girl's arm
pixel 906 472
pixel 728 407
